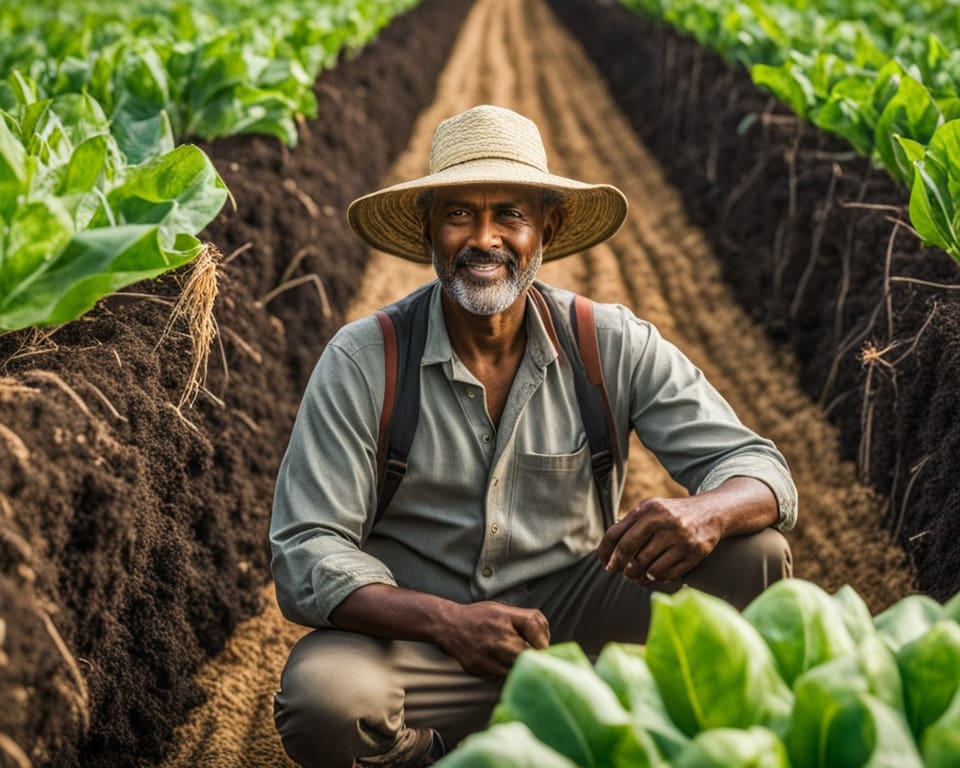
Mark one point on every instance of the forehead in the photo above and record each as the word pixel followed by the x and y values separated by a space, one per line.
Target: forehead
pixel 488 194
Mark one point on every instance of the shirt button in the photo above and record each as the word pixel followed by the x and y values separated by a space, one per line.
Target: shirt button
pixel 471 393
pixel 495 527
pixel 486 438
pixel 487 572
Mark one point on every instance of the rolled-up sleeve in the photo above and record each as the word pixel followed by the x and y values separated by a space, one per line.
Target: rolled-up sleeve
pixel 692 429
pixel 326 487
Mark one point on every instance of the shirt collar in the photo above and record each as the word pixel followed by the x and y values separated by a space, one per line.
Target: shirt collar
pixel 438 349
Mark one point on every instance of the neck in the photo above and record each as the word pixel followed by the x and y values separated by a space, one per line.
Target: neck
pixel 489 337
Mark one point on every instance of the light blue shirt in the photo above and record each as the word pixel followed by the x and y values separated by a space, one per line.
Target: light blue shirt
pixel 484 509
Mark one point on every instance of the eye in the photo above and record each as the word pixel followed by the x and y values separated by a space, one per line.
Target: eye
pixel 511 213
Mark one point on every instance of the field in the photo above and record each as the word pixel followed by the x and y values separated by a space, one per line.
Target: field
pixel 137 620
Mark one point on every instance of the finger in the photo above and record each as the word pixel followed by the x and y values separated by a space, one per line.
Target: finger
pixel 659 543
pixel 631 542
pixel 669 566
pixel 534 629
pixel 612 536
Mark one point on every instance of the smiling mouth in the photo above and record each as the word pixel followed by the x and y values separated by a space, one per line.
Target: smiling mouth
pixel 483 271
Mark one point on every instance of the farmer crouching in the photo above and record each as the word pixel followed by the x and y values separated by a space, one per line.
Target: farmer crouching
pixel 448 495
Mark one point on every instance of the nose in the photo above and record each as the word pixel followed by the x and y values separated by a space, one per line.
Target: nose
pixel 484 234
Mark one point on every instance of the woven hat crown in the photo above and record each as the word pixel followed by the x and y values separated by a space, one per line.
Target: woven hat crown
pixel 487 133
pixel 487 145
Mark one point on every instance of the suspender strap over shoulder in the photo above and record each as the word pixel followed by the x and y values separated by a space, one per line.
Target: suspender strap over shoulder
pixel 584 357
pixel 404 329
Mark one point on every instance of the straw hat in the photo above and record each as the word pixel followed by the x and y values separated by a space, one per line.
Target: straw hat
pixel 487 145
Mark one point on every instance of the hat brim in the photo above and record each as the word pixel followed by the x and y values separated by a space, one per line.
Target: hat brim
pixel 390 221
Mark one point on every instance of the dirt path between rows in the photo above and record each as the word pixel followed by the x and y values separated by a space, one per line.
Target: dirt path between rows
pixel 661 267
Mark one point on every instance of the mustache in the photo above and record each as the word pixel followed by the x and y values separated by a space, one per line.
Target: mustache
pixel 471 256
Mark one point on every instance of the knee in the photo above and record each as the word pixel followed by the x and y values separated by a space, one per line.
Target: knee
pixel 741 567
pixel 333 692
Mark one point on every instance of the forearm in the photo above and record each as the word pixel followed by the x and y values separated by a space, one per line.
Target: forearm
pixel 394 613
pixel 484 637
pixel 742 505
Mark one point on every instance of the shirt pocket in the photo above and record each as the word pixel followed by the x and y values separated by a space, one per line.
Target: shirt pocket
pixel 554 502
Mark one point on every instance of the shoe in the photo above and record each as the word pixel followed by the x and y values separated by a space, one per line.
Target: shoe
pixel 415 748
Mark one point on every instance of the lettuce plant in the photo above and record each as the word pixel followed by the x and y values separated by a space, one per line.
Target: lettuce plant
pixel 800 679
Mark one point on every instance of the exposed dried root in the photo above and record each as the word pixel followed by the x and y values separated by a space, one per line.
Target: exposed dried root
pixel 106 402
pixel 10 388
pixel 189 424
pixel 17 447
pixel 10 748
pixel 311 278
pixel 195 305
pixel 50 377
pixel 313 210
pixel 79 697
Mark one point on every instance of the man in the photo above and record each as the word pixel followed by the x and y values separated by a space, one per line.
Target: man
pixel 495 541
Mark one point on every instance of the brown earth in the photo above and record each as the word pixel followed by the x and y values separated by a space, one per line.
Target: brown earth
pixel 133 536
pixel 660 265
pixel 811 239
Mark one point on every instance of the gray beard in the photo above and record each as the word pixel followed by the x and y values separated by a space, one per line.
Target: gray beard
pixel 488 298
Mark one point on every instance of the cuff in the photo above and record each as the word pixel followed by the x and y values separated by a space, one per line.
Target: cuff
pixel 337 576
pixel 766 470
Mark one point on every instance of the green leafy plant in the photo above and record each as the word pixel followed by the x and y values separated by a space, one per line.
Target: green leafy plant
pixel 882 75
pixel 800 679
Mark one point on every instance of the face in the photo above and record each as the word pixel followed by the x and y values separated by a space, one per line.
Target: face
pixel 487 243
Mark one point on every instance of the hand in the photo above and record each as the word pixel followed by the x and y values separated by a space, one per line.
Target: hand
pixel 487 637
pixel 661 539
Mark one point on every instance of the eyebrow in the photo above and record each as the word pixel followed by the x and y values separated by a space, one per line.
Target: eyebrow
pixel 509 203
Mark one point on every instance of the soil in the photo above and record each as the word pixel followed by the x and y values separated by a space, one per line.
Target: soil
pixel 781 205
pixel 133 535
pixel 140 532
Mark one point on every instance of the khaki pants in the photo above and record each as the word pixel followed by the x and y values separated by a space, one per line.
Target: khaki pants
pixel 345 695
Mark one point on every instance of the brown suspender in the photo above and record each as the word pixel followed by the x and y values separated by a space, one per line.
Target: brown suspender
pixel 390 369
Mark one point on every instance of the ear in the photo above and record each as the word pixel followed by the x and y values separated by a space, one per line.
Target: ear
pixel 551 224
pixel 427 239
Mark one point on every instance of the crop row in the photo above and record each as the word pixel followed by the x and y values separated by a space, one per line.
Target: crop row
pixel 801 679
pixel 885 76
pixel 95 192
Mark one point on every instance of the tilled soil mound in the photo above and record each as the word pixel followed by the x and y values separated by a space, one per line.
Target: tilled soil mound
pixel 809 240
pixel 133 535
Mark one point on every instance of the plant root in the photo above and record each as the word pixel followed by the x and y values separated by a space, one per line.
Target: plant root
pixel 195 305
pixel 12 750
pixel 311 278
pixel 17 447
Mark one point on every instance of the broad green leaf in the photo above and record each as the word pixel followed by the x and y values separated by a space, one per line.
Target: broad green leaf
pixel 847 112
pixel 86 164
pixel 848 712
pixel 94 264
pixel 951 608
pixel 38 232
pixel 623 667
pixel 930 668
pixel 180 191
pixel 510 745
pixel 855 613
pixel 740 686
pixel 913 150
pixel 13 169
pixel 940 745
pixel 571 710
pixel 141 138
pixel 912 113
pixel 788 83
pixel 801 624
pixel 943 153
pixel 755 747
pixel 907 619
